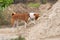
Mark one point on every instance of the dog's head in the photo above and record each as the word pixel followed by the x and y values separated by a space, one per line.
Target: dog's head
pixel 34 16
pixel 37 15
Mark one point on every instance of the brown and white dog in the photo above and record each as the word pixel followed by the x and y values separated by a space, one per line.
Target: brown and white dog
pixel 34 17
pixel 24 17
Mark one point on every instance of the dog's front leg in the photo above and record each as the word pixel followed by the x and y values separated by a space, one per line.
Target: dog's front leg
pixel 34 21
pixel 17 23
pixel 25 24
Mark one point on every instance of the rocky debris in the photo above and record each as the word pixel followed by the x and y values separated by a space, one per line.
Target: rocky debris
pixel 8 33
pixel 44 8
pixel 7 37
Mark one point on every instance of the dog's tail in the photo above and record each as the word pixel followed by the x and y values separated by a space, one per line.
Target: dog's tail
pixel 13 13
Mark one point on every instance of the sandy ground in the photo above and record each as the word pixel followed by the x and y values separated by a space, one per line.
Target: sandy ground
pixel 46 28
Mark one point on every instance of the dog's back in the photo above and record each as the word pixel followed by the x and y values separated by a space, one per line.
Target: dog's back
pixel 22 16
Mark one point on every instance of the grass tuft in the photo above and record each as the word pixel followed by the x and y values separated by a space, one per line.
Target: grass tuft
pixel 19 38
pixel 34 5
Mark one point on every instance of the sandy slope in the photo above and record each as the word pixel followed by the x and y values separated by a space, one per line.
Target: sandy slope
pixel 48 27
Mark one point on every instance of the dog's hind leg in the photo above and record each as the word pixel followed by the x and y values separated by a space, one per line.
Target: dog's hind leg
pixel 12 22
pixel 14 25
pixel 17 23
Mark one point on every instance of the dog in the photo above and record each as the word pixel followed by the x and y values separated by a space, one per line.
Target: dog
pixel 34 17
pixel 24 17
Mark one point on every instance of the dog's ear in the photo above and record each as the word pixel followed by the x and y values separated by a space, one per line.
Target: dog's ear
pixel 13 13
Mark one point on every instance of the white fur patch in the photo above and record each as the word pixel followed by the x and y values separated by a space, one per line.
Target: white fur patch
pixel 32 15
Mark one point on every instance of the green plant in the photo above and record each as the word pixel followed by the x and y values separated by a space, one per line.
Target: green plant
pixel 1 17
pixel 3 5
pixel 19 38
pixel 34 4
pixel 43 1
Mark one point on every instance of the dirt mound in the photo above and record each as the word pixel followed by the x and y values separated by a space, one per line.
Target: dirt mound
pixel 20 8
